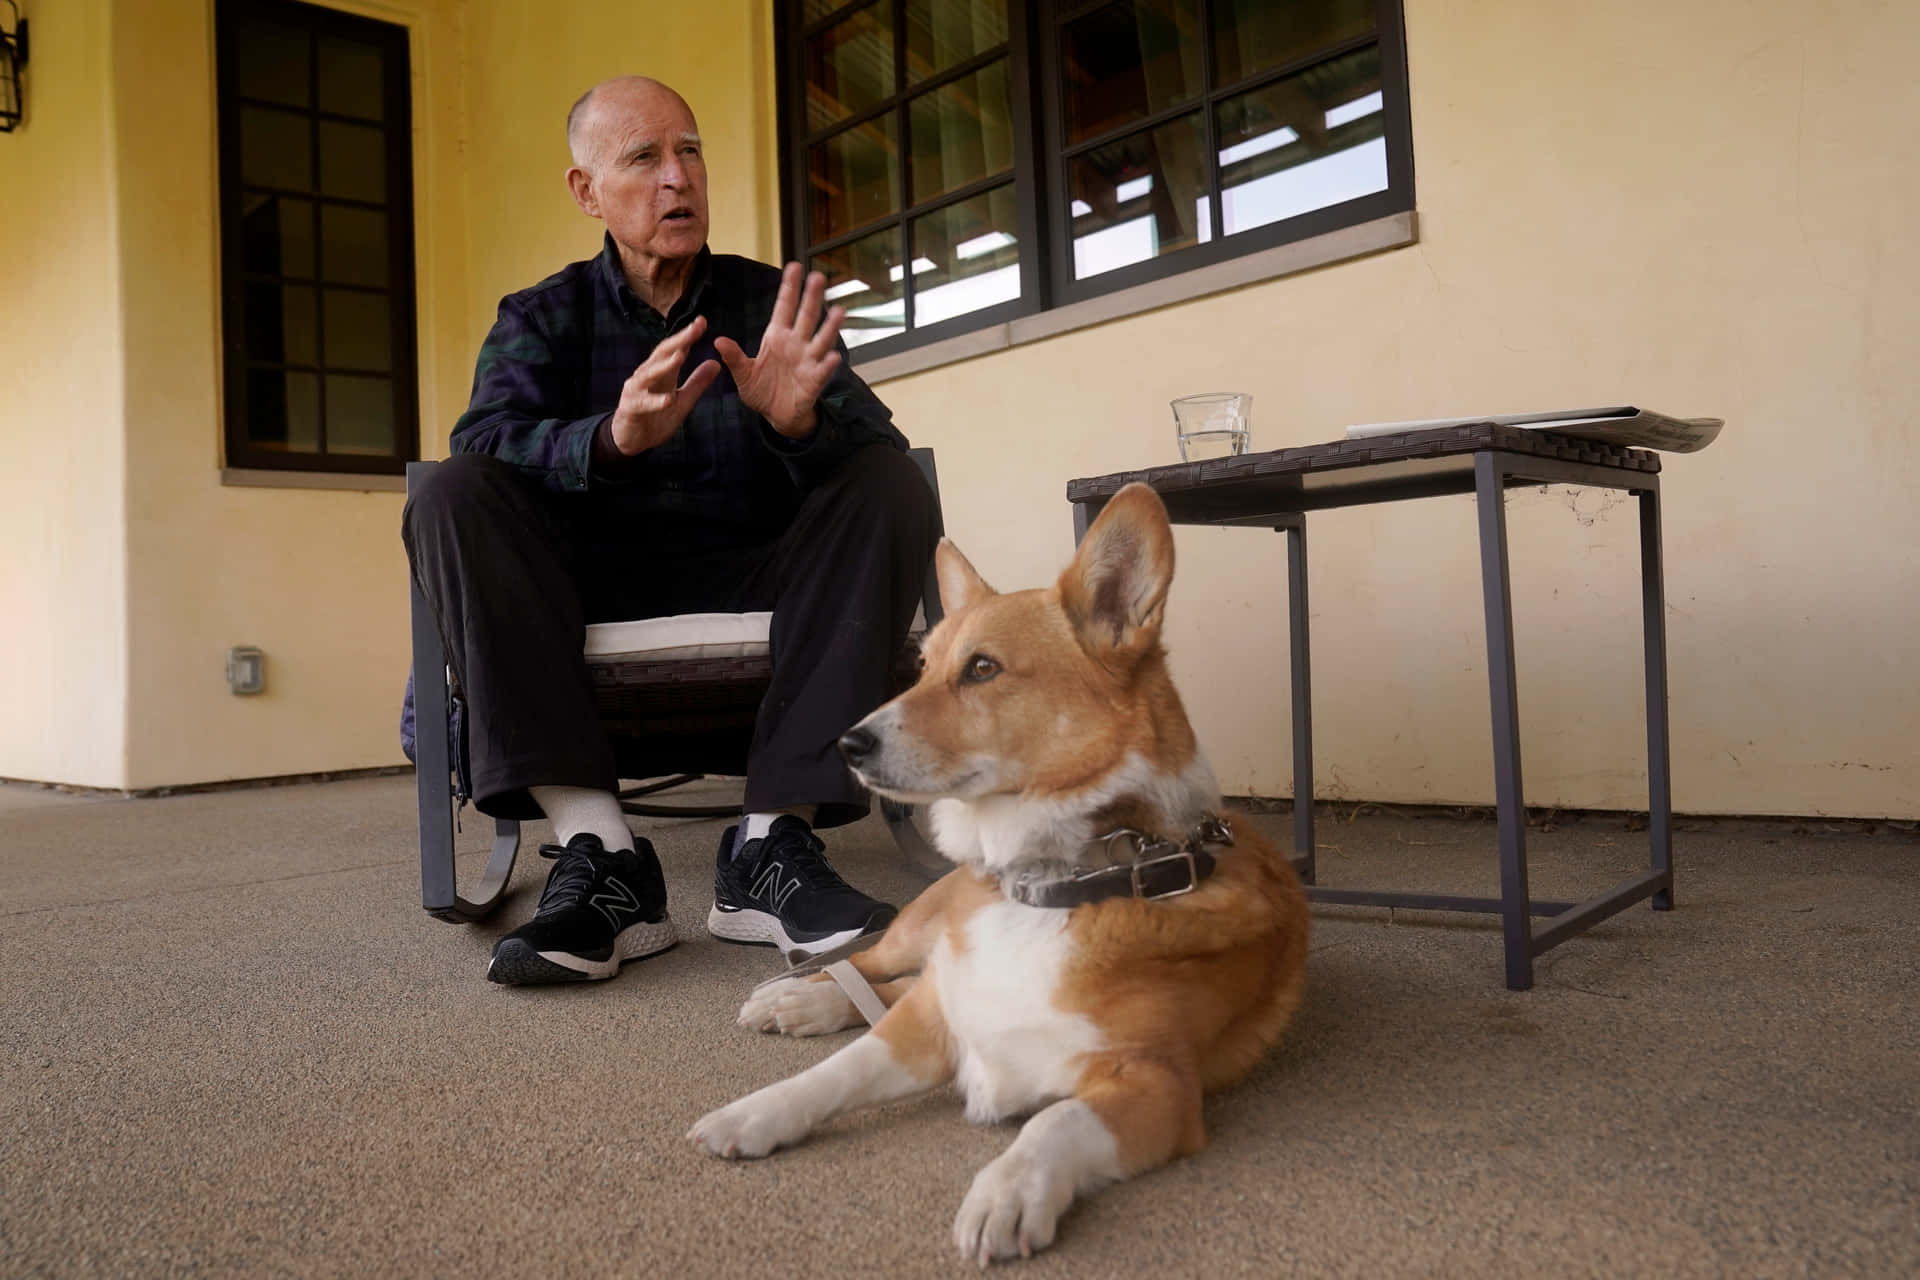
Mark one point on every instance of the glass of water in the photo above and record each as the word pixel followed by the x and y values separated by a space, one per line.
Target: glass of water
pixel 1217 424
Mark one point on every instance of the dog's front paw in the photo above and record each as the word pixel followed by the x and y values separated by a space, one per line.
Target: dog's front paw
pixel 1011 1210
pixel 800 1007
pixel 743 1130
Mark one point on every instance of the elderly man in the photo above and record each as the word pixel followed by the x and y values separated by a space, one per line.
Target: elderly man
pixel 661 430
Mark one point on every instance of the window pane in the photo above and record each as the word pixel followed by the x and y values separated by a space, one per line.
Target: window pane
pixel 283 410
pixel 855 177
pixel 1139 197
pixel 352 79
pixel 972 256
pixel 1128 60
pixel 359 415
pixel 271 63
pixel 276 149
pixel 1251 36
pixel 850 65
pixel 866 278
pixel 359 329
pixel 353 161
pixel 354 244
pixel 1303 143
pixel 962 132
pixel 945 33
pixel 276 235
pixel 281 324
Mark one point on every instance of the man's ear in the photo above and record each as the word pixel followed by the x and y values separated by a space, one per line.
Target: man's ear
pixel 580 183
pixel 1115 591
pixel 960 583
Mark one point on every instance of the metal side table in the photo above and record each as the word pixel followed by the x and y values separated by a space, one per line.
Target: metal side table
pixel 1276 491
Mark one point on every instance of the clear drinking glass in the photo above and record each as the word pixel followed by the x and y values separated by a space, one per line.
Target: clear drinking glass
pixel 1217 424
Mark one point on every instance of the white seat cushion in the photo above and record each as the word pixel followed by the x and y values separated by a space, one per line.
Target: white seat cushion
pixel 686 635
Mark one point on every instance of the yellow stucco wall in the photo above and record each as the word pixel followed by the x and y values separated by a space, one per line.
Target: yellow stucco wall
pixel 63 570
pixel 1639 201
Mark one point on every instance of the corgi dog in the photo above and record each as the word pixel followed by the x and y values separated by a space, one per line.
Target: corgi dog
pixel 1101 1003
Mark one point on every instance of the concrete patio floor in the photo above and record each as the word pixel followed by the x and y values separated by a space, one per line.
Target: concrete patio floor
pixel 234 1045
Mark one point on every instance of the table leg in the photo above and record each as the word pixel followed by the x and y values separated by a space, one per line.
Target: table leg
pixel 1653 597
pixel 1496 586
pixel 1303 839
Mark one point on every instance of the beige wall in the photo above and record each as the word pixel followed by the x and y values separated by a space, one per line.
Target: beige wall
pixel 1634 202
pixel 1713 221
pixel 63 556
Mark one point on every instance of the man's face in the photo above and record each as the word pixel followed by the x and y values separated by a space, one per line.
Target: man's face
pixel 649 177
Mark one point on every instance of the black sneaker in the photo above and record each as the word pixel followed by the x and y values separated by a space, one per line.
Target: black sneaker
pixel 780 892
pixel 599 909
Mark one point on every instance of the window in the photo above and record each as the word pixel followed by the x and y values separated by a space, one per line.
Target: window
pixel 316 253
pixel 955 163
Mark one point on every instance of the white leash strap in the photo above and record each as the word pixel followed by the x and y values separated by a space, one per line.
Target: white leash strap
pixel 858 990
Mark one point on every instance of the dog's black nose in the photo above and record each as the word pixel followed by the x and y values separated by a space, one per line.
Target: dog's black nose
pixel 856 744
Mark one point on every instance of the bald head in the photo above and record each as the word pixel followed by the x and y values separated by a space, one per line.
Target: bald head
pixel 602 107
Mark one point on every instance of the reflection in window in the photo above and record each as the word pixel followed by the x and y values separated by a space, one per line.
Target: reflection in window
pixel 854 177
pixel 1303 143
pixel 1127 60
pixel 866 278
pixel 1142 196
pixel 850 65
pixel 972 252
pixel 945 33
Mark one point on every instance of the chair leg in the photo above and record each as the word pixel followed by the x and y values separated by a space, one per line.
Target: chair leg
pixel 921 856
pixel 433 773
pixel 630 801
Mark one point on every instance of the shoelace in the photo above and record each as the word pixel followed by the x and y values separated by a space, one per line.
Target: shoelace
pixel 571 881
pixel 810 858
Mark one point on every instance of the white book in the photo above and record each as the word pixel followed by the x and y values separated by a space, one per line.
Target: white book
pixel 1619 424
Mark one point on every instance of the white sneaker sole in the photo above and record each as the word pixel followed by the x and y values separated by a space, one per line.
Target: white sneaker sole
pixel 632 943
pixel 758 928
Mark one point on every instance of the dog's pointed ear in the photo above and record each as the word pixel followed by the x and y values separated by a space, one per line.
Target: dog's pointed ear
pixel 960 583
pixel 1115 591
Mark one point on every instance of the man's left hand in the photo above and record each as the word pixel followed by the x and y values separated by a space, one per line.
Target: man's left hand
pixel 796 359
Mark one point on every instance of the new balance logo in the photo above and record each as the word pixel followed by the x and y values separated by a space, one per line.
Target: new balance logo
pixel 614 901
pixel 774 889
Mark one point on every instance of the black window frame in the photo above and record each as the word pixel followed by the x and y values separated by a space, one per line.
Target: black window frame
pixel 393 42
pixel 1041 156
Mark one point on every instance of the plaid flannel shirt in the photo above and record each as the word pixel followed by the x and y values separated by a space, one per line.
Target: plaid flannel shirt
pixel 549 376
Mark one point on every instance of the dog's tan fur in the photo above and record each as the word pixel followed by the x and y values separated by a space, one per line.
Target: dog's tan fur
pixel 1043 720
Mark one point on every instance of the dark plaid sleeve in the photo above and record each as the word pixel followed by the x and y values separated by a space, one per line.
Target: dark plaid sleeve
pixel 850 416
pixel 524 395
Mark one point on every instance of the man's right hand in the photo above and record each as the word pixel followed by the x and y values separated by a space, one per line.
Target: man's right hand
pixel 651 407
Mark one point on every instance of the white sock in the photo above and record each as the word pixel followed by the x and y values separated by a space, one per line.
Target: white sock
pixel 573 810
pixel 756 825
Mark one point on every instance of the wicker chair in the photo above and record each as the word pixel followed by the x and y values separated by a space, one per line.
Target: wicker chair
pixel 678 697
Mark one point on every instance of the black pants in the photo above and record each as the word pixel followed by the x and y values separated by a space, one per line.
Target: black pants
pixel 512 592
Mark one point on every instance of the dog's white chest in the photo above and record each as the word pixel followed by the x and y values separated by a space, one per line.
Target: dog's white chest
pixel 1015 1049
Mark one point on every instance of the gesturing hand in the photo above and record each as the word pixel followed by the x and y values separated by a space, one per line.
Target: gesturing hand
pixel 651 408
pixel 796 359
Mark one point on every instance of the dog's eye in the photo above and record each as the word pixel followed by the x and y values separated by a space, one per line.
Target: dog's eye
pixel 979 669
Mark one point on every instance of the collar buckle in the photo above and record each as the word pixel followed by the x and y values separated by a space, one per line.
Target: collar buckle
pixel 1140 889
